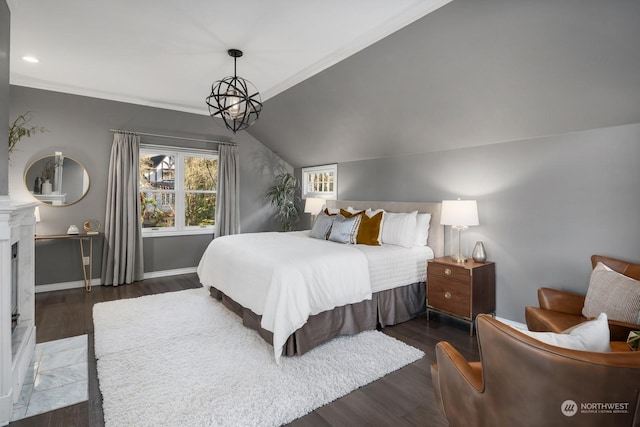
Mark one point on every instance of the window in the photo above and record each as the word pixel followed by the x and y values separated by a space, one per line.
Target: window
pixel 177 190
pixel 320 181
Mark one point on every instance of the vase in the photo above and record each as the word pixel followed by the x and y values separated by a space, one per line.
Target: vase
pixel 479 254
pixel 46 187
pixel 37 186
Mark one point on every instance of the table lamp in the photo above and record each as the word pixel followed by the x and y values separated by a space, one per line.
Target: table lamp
pixel 313 206
pixel 459 214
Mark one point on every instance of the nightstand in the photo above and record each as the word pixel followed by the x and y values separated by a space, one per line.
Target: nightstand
pixel 461 290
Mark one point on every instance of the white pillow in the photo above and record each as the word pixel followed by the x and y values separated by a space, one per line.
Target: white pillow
pixel 422 229
pixel 399 228
pixel 592 335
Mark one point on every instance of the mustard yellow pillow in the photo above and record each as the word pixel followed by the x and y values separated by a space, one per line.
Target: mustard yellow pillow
pixel 348 214
pixel 369 231
pixel 331 212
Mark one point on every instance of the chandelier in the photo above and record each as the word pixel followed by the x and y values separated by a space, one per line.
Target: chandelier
pixel 234 99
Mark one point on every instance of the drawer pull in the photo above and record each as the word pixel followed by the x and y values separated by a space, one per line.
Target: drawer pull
pixel 447 295
pixel 447 271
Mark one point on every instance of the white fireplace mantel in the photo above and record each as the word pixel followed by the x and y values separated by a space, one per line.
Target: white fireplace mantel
pixel 17 224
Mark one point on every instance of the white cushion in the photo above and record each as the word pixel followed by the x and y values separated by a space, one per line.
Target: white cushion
pixel 399 228
pixel 592 335
pixel 422 229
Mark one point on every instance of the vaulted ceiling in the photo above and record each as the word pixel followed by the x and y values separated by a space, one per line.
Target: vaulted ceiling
pixel 471 73
pixel 353 80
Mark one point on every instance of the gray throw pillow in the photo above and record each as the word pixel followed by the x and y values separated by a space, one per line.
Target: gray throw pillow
pixel 321 227
pixel 344 230
pixel 612 293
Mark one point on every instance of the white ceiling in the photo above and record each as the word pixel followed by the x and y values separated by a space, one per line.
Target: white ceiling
pixel 167 53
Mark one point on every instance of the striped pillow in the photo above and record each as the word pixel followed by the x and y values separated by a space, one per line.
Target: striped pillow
pixel 612 293
pixel 344 229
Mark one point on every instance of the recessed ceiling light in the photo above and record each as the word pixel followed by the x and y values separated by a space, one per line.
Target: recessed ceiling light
pixel 31 59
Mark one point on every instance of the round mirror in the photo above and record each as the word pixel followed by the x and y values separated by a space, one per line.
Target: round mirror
pixel 57 180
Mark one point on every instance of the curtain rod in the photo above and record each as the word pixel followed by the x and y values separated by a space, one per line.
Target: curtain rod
pixel 173 137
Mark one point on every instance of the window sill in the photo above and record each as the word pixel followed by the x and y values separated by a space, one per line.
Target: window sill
pixel 175 233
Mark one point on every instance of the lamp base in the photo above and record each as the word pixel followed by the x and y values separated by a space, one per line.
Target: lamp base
pixel 459 259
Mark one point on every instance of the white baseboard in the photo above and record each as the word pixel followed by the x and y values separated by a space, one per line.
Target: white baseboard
pixel 50 287
pixel 96 282
pixel 513 323
pixel 166 273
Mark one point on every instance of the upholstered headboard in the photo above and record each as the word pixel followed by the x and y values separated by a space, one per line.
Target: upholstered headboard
pixel 436 231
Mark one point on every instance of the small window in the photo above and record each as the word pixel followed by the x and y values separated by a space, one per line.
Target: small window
pixel 320 181
pixel 177 191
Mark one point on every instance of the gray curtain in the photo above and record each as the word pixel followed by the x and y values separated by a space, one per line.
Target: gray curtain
pixel 227 200
pixel 122 253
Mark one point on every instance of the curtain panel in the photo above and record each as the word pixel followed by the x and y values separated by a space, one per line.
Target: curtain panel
pixel 227 194
pixel 122 260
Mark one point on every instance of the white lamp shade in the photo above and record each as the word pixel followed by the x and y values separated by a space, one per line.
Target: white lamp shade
pixel 313 205
pixel 459 213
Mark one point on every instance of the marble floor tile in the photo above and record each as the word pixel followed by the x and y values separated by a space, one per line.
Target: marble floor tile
pixel 59 359
pixel 57 378
pixel 58 397
pixel 65 344
pixel 60 376
pixel 30 376
pixel 25 395
pixel 19 413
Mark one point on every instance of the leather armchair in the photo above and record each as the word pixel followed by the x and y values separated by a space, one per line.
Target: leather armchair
pixel 560 310
pixel 521 381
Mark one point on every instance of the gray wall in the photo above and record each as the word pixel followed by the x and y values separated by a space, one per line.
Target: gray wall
pixel 5 34
pixel 545 204
pixel 473 72
pixel 79 127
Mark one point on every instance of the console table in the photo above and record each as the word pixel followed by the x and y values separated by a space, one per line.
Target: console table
pixel 86 259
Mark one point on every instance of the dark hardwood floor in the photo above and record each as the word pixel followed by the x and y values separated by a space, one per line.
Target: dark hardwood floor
pixel 402 398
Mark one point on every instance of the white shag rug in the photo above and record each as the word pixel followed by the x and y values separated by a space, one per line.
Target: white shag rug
pixel 183 359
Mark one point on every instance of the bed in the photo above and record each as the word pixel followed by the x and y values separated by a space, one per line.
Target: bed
pixel 298 292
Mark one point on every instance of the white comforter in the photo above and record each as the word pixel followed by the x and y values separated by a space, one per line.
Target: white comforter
pixel 285 277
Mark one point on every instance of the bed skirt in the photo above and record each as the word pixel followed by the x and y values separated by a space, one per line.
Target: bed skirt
pixel 385 308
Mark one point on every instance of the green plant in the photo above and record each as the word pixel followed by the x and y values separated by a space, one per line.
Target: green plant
pixel 49 170
pixel 282 195
pixel 20 128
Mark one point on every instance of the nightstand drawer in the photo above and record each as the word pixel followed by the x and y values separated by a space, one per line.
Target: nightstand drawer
pixel 449 296
pixel 449 271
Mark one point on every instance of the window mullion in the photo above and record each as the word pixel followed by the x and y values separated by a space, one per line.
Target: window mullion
pixel 179 191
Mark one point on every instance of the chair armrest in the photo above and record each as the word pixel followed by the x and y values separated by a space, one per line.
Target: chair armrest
pixel 562 301
pixel 447 355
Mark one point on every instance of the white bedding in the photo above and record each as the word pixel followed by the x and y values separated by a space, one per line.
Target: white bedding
pixel 285 277
pixel 393 266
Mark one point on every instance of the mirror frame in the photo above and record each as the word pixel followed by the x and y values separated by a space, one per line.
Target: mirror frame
pixel 29 189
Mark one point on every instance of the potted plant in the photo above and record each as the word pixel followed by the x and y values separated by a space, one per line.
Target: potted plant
pixel 282 195
pixel 21 128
